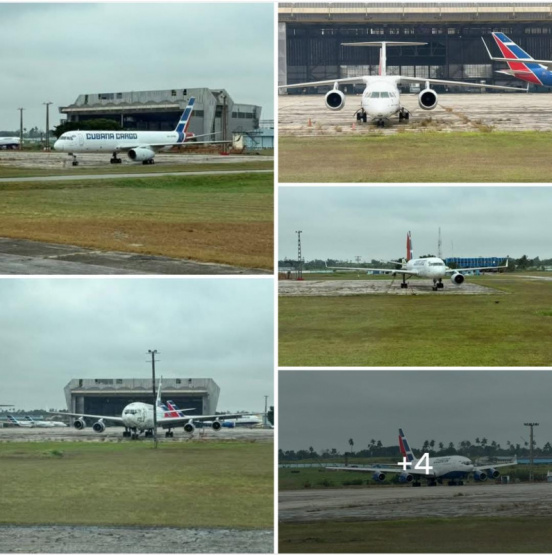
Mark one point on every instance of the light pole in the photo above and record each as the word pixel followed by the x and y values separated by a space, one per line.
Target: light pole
pixel 47 104
pixel 20 128
pixel 531 425
pixel 153 353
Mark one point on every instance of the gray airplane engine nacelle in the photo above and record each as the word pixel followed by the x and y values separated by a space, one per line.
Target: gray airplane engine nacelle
pixel 335 100
pixel 378 476
pixel 493 473
pixel 189 427
pixel 457 278
pixel 480 476
pixel 427 99
pixel 216 425
pixel 141 154
pixel 79 424
pixel 99 426
pixel 405 478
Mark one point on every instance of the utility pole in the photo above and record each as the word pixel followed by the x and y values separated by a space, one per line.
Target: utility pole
pixel 153 353
pixel 299 257
pixel 531 425
pixel 47 104
pixel 20 128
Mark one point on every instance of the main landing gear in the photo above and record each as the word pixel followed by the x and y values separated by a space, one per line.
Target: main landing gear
pixel 437 284
pixel 169 433
pixel 150 161
pixel 115 160
pixel 404 285
pixel 455 482
pixel 404 114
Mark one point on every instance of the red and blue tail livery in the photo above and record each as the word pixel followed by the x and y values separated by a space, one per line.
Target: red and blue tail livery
pixel 521 65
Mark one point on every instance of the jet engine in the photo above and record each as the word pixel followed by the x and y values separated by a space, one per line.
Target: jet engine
pixel 378 476
pixel 405 478
pixel 457 278
pixel 189 427
pixel 99 426
pixel 493 473
pixel 79 424
pixel 141 154
pixel 427 99
pixel 335 100
pixel 480 476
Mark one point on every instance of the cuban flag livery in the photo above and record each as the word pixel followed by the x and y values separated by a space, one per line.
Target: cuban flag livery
pixel 521 64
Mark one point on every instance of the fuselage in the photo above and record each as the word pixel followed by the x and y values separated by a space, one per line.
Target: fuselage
pixel 433 268
pixel 450 467
pixel 139 416
pixel 381 98
pixel 116 141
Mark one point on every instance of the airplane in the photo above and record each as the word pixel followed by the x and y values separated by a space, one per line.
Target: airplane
pixel 432 268
pixel 140 146
pixel 521 65
pixel 20 423
pixel 9 143
pixel 453 468
pixel 246 420
pixel 46 423
pixel 381 97
pixel 137 418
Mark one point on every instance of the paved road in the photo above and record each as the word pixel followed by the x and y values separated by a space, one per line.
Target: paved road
pixel 23 257
pixel 80 177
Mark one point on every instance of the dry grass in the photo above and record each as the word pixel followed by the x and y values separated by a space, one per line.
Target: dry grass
pixel 223 219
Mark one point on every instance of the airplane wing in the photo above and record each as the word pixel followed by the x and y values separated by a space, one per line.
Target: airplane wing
pixel 459 83
pixel 165 422
pixel 346 80
pixel 103 417
pixel 489 466
pixel 460 270
pixel 384 469
pixel 383 270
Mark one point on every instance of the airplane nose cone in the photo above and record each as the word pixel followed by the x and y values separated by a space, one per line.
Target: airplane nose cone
pixel 58 145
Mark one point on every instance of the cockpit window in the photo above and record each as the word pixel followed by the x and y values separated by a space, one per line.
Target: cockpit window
pixel 375 95
pixel 385 95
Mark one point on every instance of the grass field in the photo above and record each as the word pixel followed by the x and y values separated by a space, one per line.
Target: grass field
pixel 222 484
pixel 223 219
pixel 430 535
pixel 421 330
pixel 417 158
pixel 11 171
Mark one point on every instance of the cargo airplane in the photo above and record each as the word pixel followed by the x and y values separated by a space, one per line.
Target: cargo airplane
pixel 432 268
pixel 454 468
pixel 140 146
pixel 381 97
pixel 137 418
pixel 521 65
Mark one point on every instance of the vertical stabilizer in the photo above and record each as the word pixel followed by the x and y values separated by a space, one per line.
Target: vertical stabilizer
pixel 158 400
pixel 383 59
pixel 404 446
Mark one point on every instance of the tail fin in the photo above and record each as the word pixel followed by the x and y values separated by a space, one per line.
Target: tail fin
pixel 404 446
pixel 12 419
pixel 408 247
pixel 184 122
pixel 172 410
pixel 158 400
pixel 525 68
pixel 29 418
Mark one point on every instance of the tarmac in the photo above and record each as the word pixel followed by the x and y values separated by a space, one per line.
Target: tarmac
pixel 114 434
pixel 347 288
pixel 24 257
pixel 455 112
pixel 397 503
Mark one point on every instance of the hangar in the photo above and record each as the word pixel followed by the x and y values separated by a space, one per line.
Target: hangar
pixel 215 111
pixel 110 395
pixel 310 37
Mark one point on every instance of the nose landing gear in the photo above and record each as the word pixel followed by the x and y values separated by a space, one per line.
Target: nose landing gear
pixel 361 115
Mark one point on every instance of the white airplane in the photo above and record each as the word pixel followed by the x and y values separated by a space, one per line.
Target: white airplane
pixel 381 97
pixel 9 143
pixel 140 146
pixel 432 268
pixel 137 418
pixel 45 423
pixel 25 424
pixel 454 468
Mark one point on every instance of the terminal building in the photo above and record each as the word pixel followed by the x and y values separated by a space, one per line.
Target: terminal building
pixel 310 37
pixel 215 112
pixel 109 396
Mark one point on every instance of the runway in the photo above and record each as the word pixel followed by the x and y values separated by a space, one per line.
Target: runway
pixel 394 503
pixel 347 288
pixel 23 257
pixel 114 434
pixel 455 112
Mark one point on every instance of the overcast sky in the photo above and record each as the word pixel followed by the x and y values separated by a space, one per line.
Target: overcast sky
pixel 54 330
pixel 323 409
pixel 54 52
pixel 372 222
